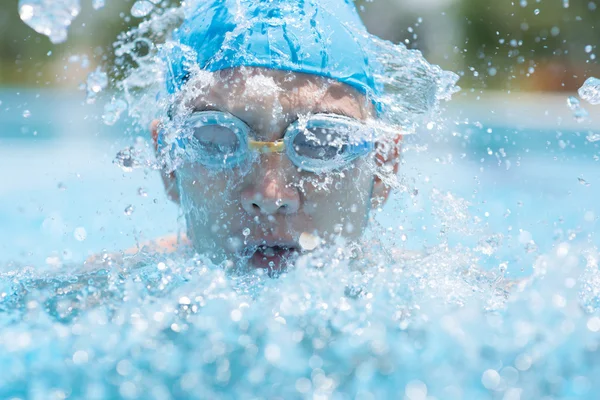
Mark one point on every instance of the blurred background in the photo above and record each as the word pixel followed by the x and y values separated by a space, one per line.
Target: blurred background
pixel 532 45
pixel 520 146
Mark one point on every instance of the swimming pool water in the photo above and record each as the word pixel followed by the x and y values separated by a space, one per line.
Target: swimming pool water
pixel 438 324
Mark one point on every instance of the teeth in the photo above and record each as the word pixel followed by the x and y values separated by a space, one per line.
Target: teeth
pixel 309 241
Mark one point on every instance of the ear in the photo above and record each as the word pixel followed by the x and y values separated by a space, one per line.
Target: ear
pixel 169 179
pixel 385 156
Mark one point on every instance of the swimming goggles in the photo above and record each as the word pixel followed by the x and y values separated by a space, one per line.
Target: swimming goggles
pixel 317 143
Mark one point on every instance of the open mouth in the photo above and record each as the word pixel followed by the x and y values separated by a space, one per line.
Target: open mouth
pixel 273 258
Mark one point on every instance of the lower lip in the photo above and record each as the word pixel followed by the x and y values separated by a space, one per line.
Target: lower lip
pixel 275 262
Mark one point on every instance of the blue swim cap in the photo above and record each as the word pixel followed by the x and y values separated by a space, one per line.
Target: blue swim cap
pixel 320 37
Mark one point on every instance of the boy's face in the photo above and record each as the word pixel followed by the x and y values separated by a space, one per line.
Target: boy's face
pixel 267 209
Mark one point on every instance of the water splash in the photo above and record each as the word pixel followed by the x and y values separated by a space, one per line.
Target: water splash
pixel 183 327
pixel 49 17
pixel 141 8
pixel 590 91
pixel 113 111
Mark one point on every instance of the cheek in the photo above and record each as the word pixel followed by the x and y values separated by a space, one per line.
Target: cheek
pixel 338 193
pixel 209 189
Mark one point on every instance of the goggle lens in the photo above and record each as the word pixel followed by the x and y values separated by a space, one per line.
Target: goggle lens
pixel 323 142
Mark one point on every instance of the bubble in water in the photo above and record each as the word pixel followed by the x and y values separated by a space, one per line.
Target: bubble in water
pixel 588 48
pixel 246 231
pixel 142 192
pixel 80 233
pixel 128 210
pixel 590 91
pixel 96 82
pixel 113 111
pixel 141 8
pixel 61 186
pixel 26 114
pixel 49 17
pixel 98 4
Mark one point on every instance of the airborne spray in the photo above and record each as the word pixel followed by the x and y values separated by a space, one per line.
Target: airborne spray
pixel 348 315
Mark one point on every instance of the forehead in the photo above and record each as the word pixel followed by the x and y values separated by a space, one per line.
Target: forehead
pixel 255 89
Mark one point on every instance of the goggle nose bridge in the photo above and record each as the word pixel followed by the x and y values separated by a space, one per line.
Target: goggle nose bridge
pixel 277 146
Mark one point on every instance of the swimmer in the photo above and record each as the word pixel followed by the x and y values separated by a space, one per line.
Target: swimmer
pixel 273 131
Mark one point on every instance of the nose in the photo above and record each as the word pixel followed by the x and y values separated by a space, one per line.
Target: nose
pixel 270 195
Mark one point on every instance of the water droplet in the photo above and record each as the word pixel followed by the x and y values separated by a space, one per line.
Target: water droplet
pixel 49 17
pixel 490 379
pixel 128 210
pixel 246 231
pixel 536 11
pixel 593 137
pixel 125 159
pixel 590 91
pixel 142 192
pixel 98 4
pixel 141 8
pixel 96 82
pixel 502 267
pixel 588 48
pixel 583 182
pixel 80 233
pixel 309 241
pixel 113 111
pixel 579 113
pixel 26 114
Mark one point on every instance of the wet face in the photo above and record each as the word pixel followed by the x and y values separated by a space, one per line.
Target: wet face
pixel 267 210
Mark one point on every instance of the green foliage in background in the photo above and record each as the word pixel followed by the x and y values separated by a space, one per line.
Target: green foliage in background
pixel 502 44
pixel 513 38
